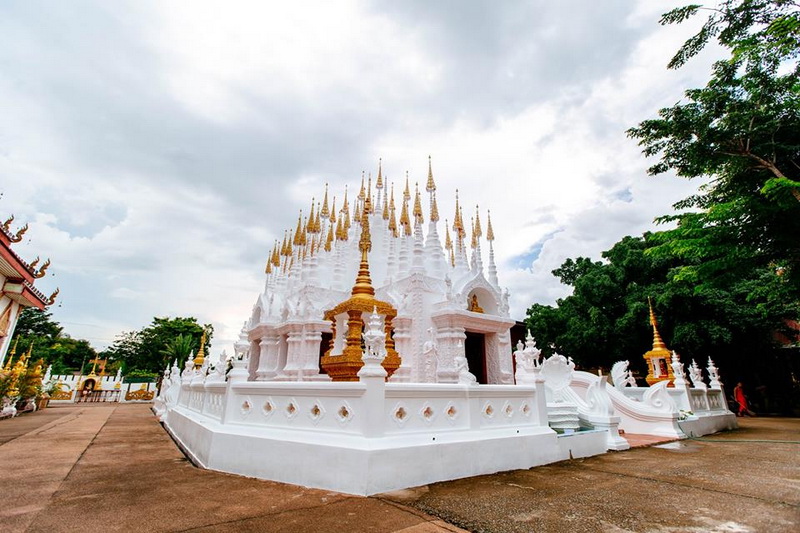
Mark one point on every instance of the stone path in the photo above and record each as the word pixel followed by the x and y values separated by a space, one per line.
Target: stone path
pixel 109 468
pixel 740 481
pixel 113 468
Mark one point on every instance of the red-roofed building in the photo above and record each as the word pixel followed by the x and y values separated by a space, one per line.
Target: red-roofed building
pixel 17 289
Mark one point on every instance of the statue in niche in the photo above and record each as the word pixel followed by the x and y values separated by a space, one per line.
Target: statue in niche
pixel 472 305
pixel 430 356
pixel 462 367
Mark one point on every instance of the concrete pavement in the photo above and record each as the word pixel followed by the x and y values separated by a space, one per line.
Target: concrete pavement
pixel 111 467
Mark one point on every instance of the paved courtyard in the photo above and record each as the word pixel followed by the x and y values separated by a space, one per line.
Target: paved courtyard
pixel 113 468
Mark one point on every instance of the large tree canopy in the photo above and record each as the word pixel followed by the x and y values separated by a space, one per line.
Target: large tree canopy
pixel 743 131
pixel 37 328
pixel 606 318
pixel 165 339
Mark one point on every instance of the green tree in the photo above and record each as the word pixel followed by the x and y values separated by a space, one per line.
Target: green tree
pixel 743 131
pixel 36 328
pixel 152 347
pixel 606 317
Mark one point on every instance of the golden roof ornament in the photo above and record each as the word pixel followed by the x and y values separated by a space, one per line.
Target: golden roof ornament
pixel 317 221
pixel 434 208
pixel 7 223
pixel 448 243
pixel 333 211
pixel 325 211
pixel 430 186
pixel 458 224
pixel 379 181
pixel 299 229
pixel 41 272
pixel 489 230
pixel 404 220
pixel 18 235
pixel 52 298
pixel 478 231
pixel 362 193
pixel 311 218
pixel 33 263
pixel 407 191
pixel 368 199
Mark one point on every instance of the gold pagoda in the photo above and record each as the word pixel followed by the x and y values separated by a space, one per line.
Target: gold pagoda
pixel 659 359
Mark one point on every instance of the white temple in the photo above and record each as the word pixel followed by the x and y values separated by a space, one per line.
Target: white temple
pixel 378 357
pixel 449 303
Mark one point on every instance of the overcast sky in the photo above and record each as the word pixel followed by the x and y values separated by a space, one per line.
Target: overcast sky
pixel 158 148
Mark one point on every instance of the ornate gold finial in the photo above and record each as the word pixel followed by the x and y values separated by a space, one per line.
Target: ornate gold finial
pixel 417 206
pixel 452 257
pixel 325 211
pixel 268 268
pixel 41 272
pixel 363 285
pixel 448 243
pixel 407 191
pixel 333 211
pixel 289 250
pixel 317 221
pixel 7 223
pixel 276 258
pixel 385 213
pixel 430 186
pixel 489 230
pixel 362 193
pixel 434 209
pixel 198 360
pixel 393 222
pixel 379 181
pixel 478 231
pixel 20 232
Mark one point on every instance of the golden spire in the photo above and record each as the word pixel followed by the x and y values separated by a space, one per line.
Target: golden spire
pixel 276 258
pixel 357 211
pixel 658 342
pixel 474 241
pixel 311 217
pixel 289 250
pixel 385 213
pixel 430 186
pixel 340 233
pixel 434 208
pixel 346 213
pixel 346 207
pixel 379 181
pixel 362 193
pixel 368 199
pixel 299 230
pixel 317 221
pixel 478 231
pixel 417 206
pixel 329 239
pixel 448 243
pixel 407 191
pixel 404 220
pixel 325 212
pixel 489 230
pixel 363 285
pixel 458 224
pixel 198 360
pixel 452 258
pixel 333 211
pixel 393 222
pixel 301 238
pixel 268 269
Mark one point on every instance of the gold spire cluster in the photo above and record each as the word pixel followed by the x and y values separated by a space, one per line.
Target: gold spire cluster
pixel 325 224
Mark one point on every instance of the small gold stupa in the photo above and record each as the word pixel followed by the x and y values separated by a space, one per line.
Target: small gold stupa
pixel 345 366
pixel 659 359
